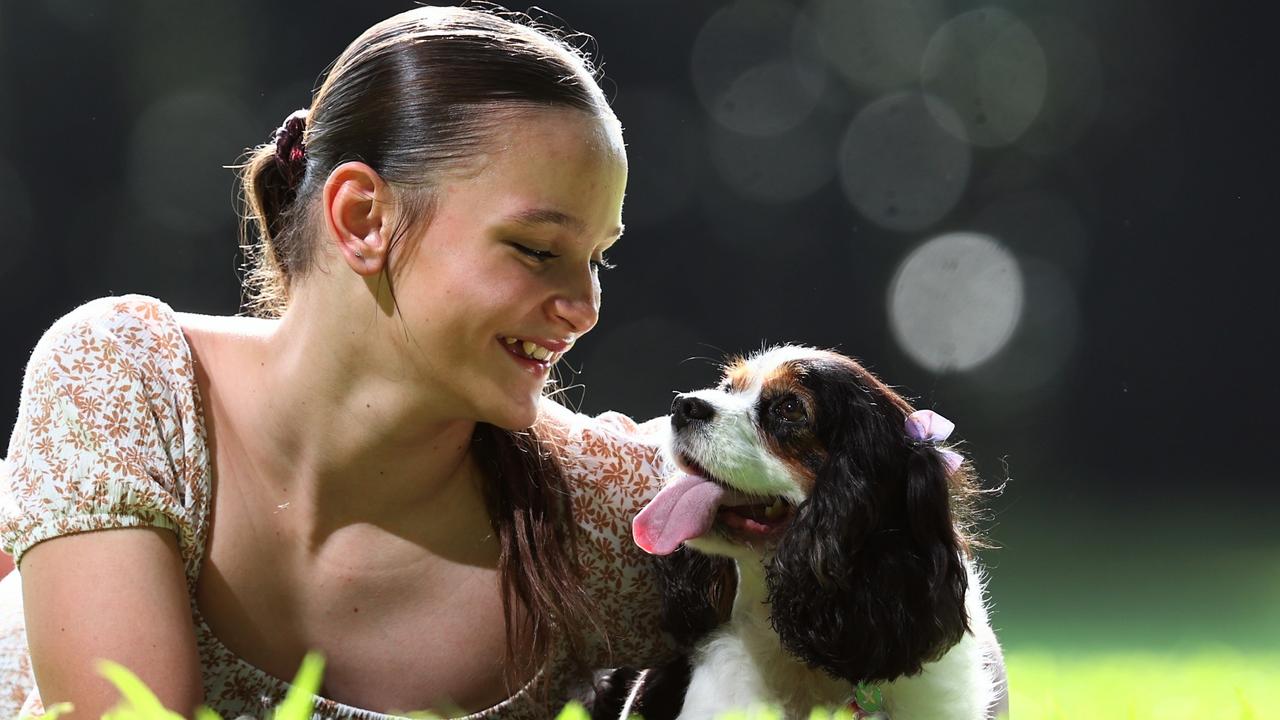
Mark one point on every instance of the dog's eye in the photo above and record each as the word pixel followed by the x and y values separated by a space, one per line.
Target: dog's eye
pixel 790 409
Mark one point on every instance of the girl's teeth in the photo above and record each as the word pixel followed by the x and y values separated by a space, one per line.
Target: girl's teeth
pixel 531 349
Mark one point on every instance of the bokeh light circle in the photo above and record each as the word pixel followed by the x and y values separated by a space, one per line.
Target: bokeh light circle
pixel 989 68
pixel 898 167
pixel 955 301
pixel 1032 364
pixel 754 69
pixel 876 44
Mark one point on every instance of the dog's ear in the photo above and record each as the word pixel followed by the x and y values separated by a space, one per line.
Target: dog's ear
pixel 869 581
pixel 697 593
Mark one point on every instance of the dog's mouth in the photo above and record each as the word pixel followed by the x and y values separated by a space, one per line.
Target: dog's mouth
pixel 743 516
pixel 698 503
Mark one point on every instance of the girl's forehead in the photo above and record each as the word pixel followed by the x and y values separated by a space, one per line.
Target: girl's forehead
pixel 561 161
pixel 560 130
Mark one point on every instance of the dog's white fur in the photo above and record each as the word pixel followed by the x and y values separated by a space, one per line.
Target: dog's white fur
pixel 743 665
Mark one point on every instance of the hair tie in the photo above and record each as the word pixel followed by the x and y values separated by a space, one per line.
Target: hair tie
pixel 926 428
pixel 291 152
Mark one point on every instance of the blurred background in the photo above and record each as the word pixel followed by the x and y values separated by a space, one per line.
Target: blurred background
pixel 1052 221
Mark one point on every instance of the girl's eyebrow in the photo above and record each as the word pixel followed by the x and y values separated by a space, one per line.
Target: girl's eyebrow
pixel 547 216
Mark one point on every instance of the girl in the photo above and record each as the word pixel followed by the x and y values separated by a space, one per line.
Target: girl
pixel 368 467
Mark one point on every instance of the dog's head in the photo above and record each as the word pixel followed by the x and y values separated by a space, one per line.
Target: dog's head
pixel 800 460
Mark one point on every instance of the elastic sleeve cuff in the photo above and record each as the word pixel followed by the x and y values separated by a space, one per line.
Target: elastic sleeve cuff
pixel 18 543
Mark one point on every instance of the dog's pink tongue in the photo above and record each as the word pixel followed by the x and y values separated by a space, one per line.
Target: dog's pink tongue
pixel 684 509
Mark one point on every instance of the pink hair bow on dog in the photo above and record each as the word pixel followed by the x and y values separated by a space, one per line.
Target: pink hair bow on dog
pixel 926 427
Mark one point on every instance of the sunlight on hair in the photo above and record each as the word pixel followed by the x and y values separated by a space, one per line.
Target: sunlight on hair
pixel 750 70
pixel 898 168
pixel 783 168
pixel 989 67
pixel 955 301
pixel 876 44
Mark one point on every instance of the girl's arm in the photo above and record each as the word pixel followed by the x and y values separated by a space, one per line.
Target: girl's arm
pixel 117 594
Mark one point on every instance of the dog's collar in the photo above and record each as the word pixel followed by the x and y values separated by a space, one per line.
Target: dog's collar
pixel 867 702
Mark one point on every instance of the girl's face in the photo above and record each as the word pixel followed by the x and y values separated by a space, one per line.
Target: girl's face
pixel 508 266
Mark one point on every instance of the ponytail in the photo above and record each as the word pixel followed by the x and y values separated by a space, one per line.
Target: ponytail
pixel 270 180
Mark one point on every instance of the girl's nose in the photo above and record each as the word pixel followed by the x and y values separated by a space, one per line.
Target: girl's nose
pixel 580 313
pixel 579 307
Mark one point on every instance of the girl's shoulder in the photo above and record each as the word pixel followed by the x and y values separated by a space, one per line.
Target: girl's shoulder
pixel 587 438
pixel 604 447
pixel 108 433
pixel 139 321
pixel 614 466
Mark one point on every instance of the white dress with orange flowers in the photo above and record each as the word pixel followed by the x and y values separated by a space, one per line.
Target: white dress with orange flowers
pixel 110 434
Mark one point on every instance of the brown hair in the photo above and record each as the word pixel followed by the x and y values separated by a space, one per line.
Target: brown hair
pixel 414 97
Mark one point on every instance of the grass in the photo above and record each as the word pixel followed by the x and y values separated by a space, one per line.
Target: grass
pixel 1105 685
pixel 1218 684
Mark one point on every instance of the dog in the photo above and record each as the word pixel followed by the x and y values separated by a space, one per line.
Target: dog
pixel 848 527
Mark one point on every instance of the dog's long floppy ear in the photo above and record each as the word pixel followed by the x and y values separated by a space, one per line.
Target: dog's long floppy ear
pixel 869 581
pixel 697 593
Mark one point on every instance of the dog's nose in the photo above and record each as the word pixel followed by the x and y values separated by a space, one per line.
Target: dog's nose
pixel 686 410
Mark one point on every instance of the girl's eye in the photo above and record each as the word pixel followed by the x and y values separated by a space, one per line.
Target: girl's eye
pixel 539 255
pixel 790 409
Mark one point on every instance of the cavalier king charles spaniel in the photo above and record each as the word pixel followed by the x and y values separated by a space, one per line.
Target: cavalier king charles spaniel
pixel 846 525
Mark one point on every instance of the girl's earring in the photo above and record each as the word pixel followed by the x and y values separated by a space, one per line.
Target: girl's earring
pixel 357 252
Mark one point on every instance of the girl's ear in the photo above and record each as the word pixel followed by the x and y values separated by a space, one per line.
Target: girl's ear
pixel 356 213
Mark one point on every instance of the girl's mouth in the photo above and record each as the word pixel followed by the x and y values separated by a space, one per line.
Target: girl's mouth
pixel 531 354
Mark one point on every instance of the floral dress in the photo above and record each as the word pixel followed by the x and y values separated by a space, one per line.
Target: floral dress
pixel 110 434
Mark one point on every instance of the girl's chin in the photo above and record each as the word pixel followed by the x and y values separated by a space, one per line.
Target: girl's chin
pixel 516 416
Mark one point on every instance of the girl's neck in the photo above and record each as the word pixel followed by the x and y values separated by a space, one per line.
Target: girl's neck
pixel 302 416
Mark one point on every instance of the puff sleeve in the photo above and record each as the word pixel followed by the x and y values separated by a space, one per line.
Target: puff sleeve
pixel 615 466
pixel 103 428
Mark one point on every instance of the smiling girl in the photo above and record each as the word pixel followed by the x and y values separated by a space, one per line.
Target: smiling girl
pixel 367 466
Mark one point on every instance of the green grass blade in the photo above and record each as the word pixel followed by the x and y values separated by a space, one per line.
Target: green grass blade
pixel 301 698
pixel 137 700
pixel 573 711
pixel 50 713
pixel 204 713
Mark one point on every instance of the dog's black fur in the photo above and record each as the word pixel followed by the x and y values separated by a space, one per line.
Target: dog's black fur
pixel 868 582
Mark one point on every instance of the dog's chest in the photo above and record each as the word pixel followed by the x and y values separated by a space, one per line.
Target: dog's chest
pixel 743 665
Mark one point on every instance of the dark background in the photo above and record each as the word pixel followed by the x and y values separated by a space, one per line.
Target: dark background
pixel 1118 158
